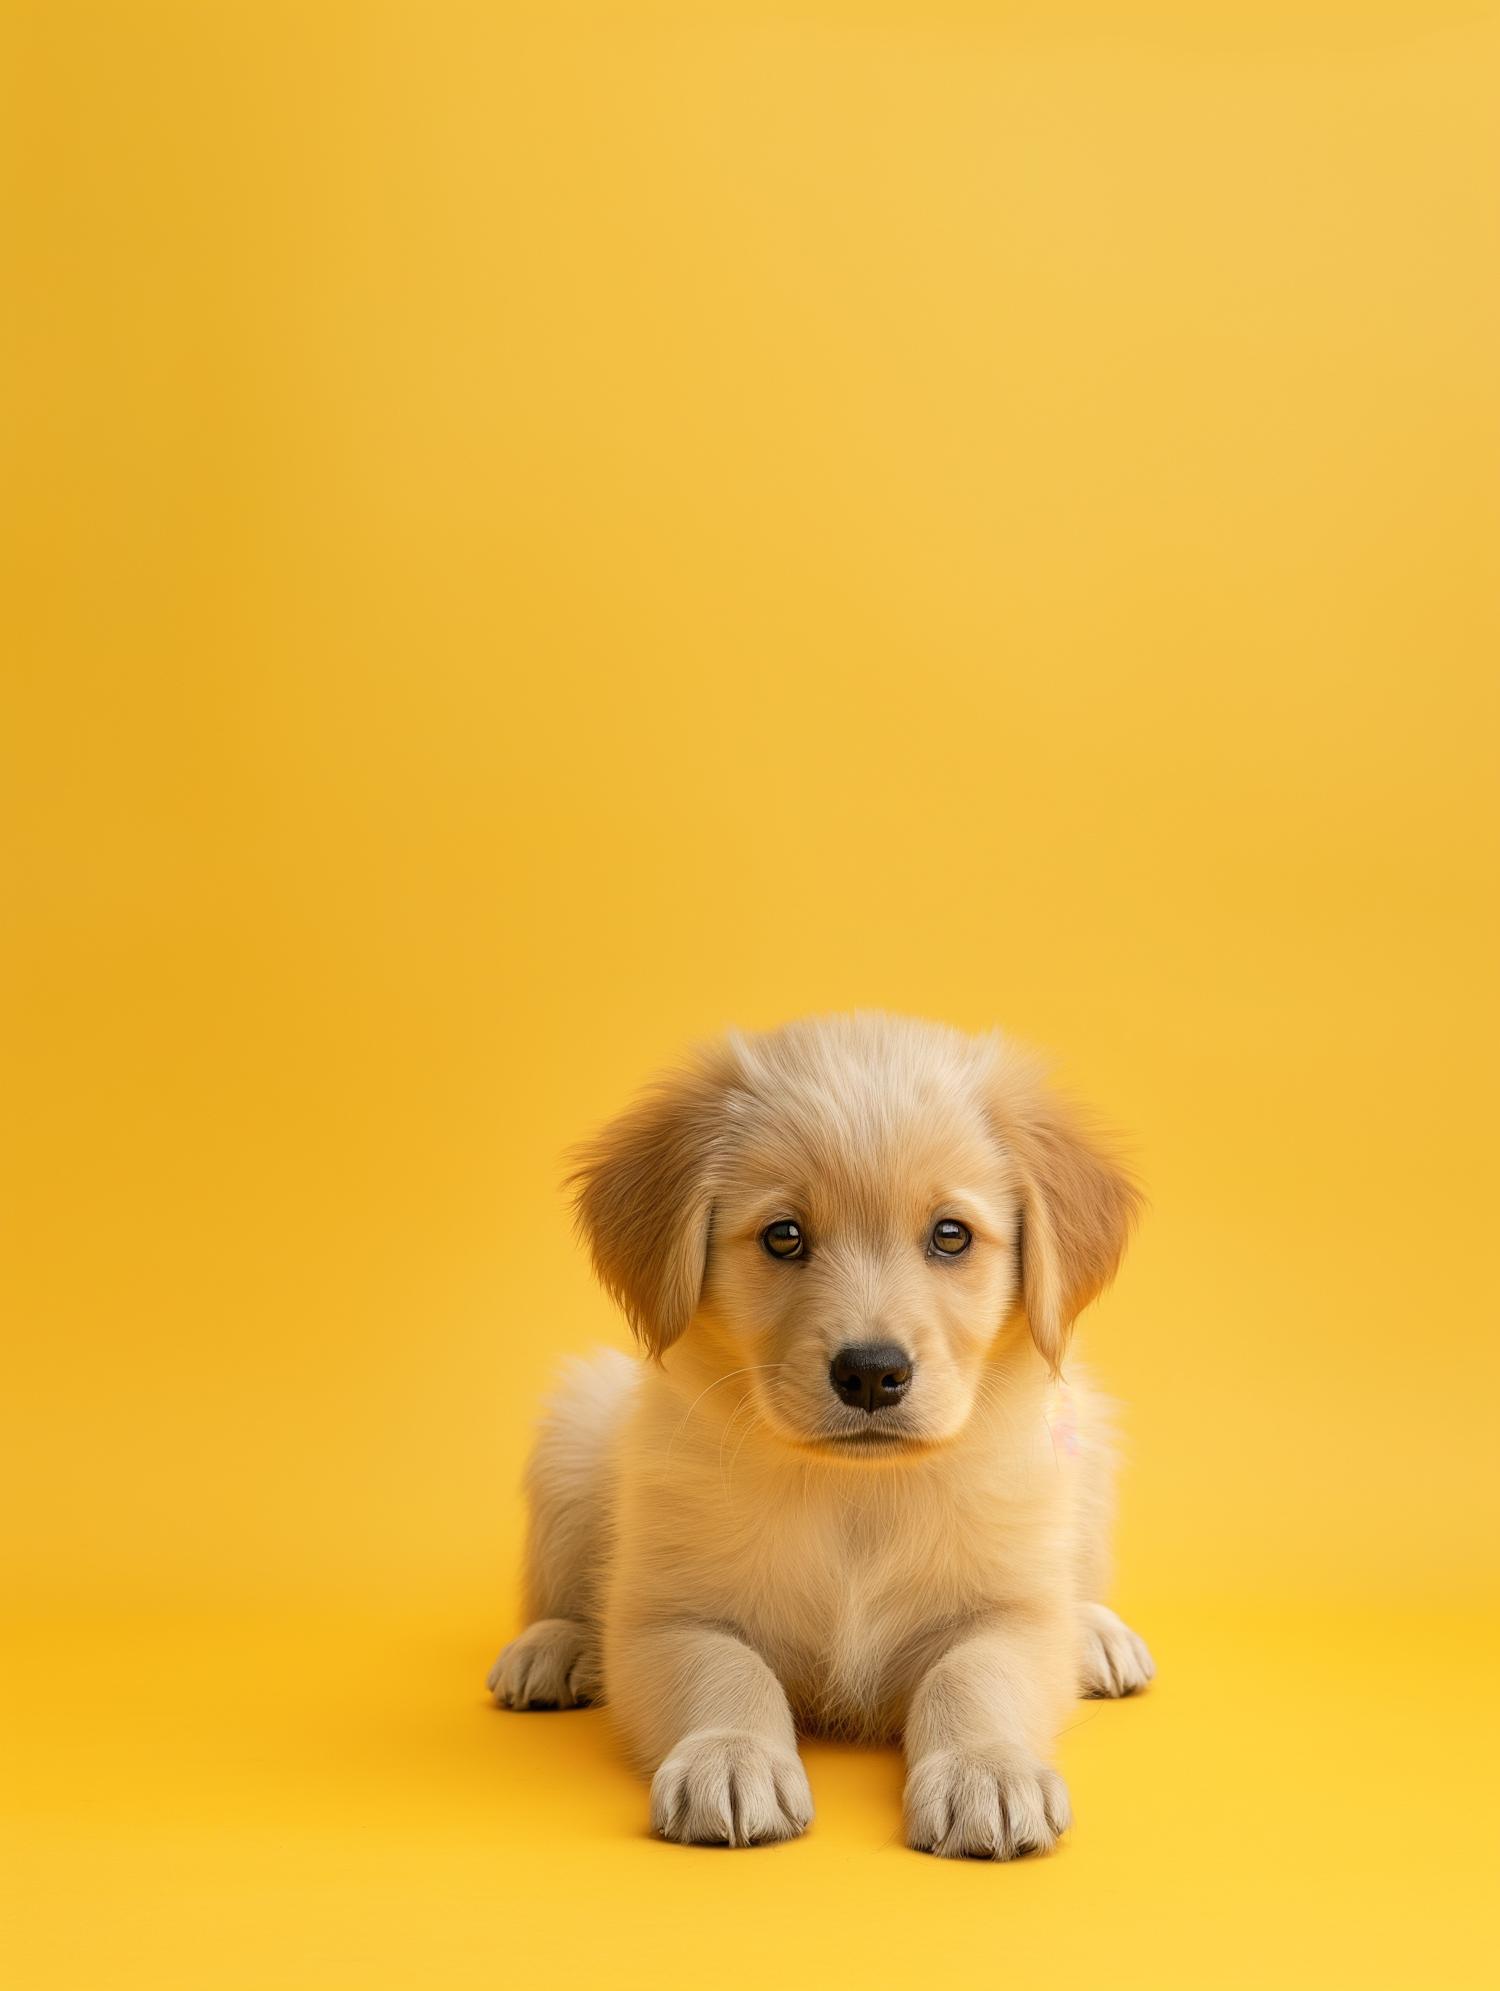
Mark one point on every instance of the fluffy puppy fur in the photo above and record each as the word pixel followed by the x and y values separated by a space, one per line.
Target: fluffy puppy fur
pixel 725 1547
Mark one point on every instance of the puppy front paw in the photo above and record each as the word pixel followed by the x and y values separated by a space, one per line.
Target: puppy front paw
pixel 984 1804
pixel 1114 1661
pixel 553 1664
pixel 726 1787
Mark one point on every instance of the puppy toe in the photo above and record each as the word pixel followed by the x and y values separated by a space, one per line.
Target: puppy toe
pixel 984 1805
pixel 551 1665
pixel 1114 1661
pixel 722 1787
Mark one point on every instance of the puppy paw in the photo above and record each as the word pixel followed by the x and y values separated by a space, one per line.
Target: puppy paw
pixel 1114 1660
pixel 724 1787
pixel 553 1664
pixel 984 1804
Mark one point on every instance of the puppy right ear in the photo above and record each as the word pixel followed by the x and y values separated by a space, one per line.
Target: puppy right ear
pixel 643 1198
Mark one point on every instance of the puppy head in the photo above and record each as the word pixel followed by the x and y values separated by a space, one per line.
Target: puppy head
pixel 860 1204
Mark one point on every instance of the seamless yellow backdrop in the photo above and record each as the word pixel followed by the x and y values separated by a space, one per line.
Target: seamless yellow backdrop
pixel 534 533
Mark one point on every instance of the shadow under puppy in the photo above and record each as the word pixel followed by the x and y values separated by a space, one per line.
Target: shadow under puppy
pixel 850 1493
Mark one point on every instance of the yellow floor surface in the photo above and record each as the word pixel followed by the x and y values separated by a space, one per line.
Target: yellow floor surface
pixel 1306 1798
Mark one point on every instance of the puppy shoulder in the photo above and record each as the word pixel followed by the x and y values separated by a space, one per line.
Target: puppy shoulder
pixel 589 1401
pixel 1093 1414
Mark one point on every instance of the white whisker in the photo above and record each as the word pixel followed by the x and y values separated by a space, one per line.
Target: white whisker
pixel 729 1375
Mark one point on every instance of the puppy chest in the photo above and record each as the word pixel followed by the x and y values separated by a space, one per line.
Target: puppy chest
pixel 846 1592
pixel 842 1613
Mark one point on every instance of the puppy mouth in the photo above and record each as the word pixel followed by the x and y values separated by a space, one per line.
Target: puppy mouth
pixel 873 1438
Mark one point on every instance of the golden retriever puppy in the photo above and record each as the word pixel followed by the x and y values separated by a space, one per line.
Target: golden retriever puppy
pixel 850 1491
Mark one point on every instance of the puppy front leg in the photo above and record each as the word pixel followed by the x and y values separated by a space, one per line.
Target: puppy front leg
pixel 976 1786
pixel 707 1710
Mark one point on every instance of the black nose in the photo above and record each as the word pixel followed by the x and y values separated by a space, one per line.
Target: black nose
pixel 871 1378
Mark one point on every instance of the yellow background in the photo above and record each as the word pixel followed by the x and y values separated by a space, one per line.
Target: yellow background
pixel 535 533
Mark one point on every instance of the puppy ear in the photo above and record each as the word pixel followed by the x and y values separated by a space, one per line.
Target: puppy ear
pixel 1077 1202
pixel 643 1198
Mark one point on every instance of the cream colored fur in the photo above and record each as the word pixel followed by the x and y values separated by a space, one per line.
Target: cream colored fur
pixel 728 1552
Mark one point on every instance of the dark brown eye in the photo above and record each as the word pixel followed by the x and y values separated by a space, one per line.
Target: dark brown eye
pixel 783 1240
pixel 951 1238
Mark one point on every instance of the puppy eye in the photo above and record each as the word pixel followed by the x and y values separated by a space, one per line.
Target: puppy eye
pixel 783 1240
pixel 951 1238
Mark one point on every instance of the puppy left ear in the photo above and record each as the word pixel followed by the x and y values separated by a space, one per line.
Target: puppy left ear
pixel 1077 1203
pixel 643 1192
